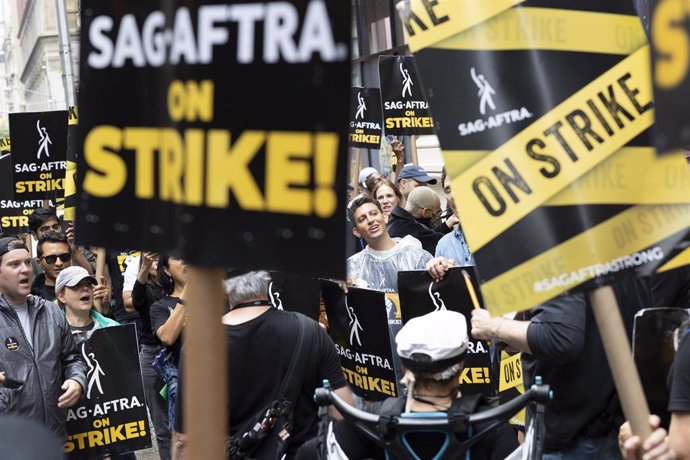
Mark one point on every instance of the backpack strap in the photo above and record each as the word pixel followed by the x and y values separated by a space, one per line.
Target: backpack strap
pixel 389 413
pixel 306 334
pixel 460 410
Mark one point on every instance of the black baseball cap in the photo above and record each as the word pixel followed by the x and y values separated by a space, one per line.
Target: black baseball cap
pixel 10 244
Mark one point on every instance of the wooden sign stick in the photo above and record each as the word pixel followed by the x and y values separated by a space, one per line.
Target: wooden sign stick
pixel 621 363
pixel 205 374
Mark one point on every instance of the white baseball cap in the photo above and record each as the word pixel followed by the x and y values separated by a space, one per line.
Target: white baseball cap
pixel 71 276
pixel 434 341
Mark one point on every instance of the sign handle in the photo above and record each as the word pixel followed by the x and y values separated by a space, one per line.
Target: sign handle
pixel 100 270
pixel 205 375
pixel 619 355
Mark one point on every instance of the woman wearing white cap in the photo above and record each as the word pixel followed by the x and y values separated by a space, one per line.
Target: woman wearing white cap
pixel 432 349
pixel 75 291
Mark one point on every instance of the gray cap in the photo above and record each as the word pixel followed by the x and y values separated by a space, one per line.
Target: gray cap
pixel 71 276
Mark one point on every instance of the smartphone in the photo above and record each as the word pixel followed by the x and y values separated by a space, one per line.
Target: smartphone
pixel 12 384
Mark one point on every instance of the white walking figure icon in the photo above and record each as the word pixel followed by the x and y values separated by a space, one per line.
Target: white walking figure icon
pixel 407 81
pixel 275 297
pixel 43 141
pixel 436 299
pixel 94 373
pixel 355 327
pixel 485 93
pixel 361 106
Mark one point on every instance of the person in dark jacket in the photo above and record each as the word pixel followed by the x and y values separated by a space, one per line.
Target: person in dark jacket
pixel 422 202
pixel 39 352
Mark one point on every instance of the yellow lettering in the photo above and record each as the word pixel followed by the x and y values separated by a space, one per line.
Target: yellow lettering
pixel 107 173
pixel 284 170
pixel 670 39
pixel 228 170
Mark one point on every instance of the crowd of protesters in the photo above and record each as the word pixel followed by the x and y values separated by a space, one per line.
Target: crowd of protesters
pixel 51 303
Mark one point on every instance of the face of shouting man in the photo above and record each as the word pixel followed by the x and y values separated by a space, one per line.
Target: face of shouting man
pixel 16 275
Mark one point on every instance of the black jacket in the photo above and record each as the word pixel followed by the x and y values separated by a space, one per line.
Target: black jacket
pixel 401 223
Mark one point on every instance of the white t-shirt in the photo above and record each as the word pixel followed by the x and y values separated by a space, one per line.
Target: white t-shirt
pixel 131 273
pixel 23 314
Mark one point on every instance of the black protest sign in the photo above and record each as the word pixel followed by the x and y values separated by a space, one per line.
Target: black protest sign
pixel 73 145
pixel 653 347
pixel 419 295
pixel 111 418
pixel 365 118
pixel 546 137
pixel 13 213
pixel 359 327
pixel 670 27
pixel 39 146
pixel 405 110
pixel 511 383
pixel 291 292
pixel 235 128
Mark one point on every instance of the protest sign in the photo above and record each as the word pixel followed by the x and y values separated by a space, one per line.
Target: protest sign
pixel 545 131
pixel 5 145
pixel 669 35
pixel 14 214
pixel 70 190
pixel 236 126
pixel 39 143
pixel 419 295
pixel 111 418
pixel 366 124
pixel 561 188
pixel 511 383
pixel 405 110
pixel 653 348
pixel 359 327
pixel 297 293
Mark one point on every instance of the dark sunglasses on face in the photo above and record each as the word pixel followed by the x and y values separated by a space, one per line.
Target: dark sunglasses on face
pixel 50 260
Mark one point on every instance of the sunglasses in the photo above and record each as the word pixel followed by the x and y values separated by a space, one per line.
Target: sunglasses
pixel 50 260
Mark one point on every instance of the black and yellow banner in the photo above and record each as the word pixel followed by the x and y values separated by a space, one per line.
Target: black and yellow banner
pixel 227 120
pixel 366 120
pixel 5 145
pixel 359 327
pixel 543 111
pixel 111 418
pixel 70 191
pixel 670 38
pixel 405 110
pixel 419 295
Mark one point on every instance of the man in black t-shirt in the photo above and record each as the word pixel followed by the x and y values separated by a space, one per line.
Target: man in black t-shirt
pixel 262 340
pixel 560 342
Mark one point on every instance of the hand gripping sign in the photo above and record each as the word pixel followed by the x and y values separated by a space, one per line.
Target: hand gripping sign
pixel 543 111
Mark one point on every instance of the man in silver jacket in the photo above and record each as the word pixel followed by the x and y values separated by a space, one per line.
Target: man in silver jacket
pixel 42 371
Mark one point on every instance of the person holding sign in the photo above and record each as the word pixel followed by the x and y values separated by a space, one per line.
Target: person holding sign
pixel 39 353
pixel 76 290
pixel 432 348
pixel 561 343
pixel 677 445
pixel 377 266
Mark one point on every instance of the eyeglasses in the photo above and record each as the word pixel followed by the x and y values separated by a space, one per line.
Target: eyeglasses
pixel 51 259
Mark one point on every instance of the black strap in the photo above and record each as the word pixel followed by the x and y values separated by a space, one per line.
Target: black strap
pixel 460 410
pixel 290 387
pixel 389 413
